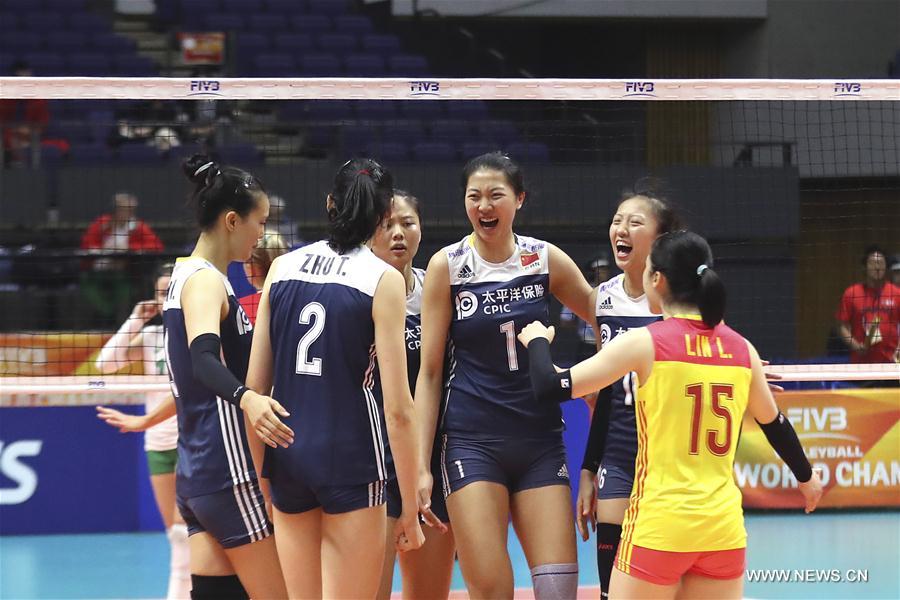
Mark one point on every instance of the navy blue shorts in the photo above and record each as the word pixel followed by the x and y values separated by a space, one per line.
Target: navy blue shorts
pixel 332 499
pixel 614 482
pixel 519 464
pixel 438 503
pixel 234 516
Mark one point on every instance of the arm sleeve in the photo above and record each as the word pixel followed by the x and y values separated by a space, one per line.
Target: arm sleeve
pixel 596 442
pixel 546 384
pixel 209 370
pixel 784 440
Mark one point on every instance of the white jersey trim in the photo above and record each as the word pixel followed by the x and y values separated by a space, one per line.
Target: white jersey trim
pixel 530 257
pixel 362 269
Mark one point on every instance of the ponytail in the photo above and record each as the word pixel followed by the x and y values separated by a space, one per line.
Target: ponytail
pixel 686 260
pixel 360 198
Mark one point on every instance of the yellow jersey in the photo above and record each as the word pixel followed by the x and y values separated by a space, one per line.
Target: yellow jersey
pixel 689 414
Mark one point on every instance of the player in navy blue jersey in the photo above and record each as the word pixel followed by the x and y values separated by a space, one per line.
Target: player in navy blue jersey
pixel 207 346
pixel 427 572
pixel 620 305
pixel 324 310
pixel 503 450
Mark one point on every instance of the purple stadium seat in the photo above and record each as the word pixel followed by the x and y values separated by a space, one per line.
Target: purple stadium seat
pixel 133 65
pixel 19 6
pixel 375 110
pixel 469 150
pixel 293 42
pixel 338 43
pixel 275 64
pixel 111 43
pixel 43 22
pixel 46 63
pixel 90 154
pixel 89 63
pixel 364 65
pixel 241 155
pixel 286 7
pixel 139 153
pixel 529 151
pixel 319 137
pixel 22 41
pixel 503 131
pixel 67 41
pixel 310 23
pixel 388 152
pixel 434 152
pixel 88 23
pixel 355 24
pixel 468 109
pixel 404 65
pixel 422 109
pixel 224 23
pixel 9 21
pixel 405 130
pixel 243 7
pixel 328 7
pixel 268 23
pixel 380 43
pixel 451 130
pixel 356 137
pixel 252 43
pixel 329 110
pixel 68 6
pixel 320 65
pixel 6 61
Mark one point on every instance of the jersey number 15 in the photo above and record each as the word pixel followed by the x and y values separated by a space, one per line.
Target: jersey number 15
pixel 717 392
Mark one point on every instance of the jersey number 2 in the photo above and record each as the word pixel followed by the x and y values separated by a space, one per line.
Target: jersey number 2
pixel 305 364
pixel 718 392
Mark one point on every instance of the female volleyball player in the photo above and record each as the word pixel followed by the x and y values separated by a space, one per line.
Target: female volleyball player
pixel 620 305
pixel 684 525
pixel 325 309
pixel 271 245
pixel 427 571
pixel 502 450
pixel 207 341
pixel 138 341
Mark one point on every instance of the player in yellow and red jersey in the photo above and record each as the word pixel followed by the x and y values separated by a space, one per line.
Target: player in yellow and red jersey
pixel 683 533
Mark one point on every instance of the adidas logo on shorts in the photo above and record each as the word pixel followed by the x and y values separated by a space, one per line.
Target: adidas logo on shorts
pixel 465 272
pixel 606 304
pixel 563 472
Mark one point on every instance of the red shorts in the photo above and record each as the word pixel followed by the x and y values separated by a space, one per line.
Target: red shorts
pixel 667 568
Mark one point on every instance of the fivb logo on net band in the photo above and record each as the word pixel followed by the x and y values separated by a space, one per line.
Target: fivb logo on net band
pixel 466 305
pixel 205 87
pixel 847 88
pixel 424 88
pixel 639 89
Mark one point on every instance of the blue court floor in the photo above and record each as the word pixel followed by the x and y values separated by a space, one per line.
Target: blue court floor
pixel 819 548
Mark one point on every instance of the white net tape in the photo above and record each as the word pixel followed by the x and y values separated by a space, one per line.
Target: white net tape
pixel 345 88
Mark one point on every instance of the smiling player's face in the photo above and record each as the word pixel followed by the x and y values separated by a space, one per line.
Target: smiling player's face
pixel 631 234
pixel 491 204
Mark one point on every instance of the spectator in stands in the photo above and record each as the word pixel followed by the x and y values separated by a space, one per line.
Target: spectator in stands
pixel 271 245
pixel 596 270
pixel 280 222
pixel 895 270
pixel 22 121
pixel 105 280
pixel 869 313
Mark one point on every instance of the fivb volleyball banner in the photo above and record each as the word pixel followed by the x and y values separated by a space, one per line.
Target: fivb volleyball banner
pixel 852 435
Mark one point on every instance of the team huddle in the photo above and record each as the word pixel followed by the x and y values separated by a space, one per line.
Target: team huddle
pixel 376 411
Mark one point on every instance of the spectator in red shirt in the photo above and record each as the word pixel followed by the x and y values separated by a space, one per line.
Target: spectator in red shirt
pixel 105 282
pixel 869 314
pixel 22 121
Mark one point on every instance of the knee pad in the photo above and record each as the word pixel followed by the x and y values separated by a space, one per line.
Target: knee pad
pixel 555 581
pixel 209 587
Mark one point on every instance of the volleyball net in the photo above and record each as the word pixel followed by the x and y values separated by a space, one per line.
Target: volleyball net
pixel 789 180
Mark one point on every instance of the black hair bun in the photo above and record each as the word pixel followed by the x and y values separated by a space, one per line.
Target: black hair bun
pixel 198 167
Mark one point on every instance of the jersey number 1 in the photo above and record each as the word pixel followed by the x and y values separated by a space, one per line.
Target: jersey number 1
pixel 509 328
pixel 306 365
pixel 718 392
